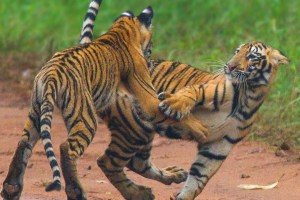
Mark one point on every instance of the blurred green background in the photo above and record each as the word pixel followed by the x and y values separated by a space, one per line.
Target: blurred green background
pixel 199 32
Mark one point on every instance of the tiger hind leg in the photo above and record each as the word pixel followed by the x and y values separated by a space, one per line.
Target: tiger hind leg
pixel 142 165
pixel 13 184
pixel 112 164
pixel 82 128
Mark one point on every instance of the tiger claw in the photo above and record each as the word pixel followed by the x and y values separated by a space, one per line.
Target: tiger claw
pixel 163 95
pixel 178 116
pixel 167 110
pixel 162 106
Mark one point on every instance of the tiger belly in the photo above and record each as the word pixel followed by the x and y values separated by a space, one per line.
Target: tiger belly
pixel 218 122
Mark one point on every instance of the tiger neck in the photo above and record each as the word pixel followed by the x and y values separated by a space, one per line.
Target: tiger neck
pixel 247 101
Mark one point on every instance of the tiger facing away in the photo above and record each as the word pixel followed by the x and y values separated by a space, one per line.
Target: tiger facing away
pixel 227 103
pixel 83 81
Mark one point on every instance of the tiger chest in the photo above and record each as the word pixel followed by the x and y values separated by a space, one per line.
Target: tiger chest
pixel 219 123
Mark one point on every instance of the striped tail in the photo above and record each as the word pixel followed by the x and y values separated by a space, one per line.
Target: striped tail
pixel 47 108
pixel 88 23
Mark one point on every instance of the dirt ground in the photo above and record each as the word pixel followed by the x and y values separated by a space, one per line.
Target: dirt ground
pixel 248 159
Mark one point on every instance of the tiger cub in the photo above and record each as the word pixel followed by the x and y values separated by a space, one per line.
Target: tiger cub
pixel 229 114
pixel 227 104
pixel 82 81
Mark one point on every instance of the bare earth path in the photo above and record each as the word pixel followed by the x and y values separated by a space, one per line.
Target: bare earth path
pixel 248 158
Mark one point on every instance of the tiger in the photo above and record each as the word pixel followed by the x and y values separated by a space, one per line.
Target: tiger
pixel 227 103
pixel 229 115
pixel 83 81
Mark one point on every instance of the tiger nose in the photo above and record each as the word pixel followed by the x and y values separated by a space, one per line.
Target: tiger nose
pixel 231 66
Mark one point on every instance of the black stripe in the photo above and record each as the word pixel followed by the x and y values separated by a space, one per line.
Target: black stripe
pixel 235 100
pixel 47 146
pixel 211 156
pixel 126 149
pixel 45 135
pixel 172 133
pixel 248 115
pixel 91 26
pixel 76 146
pixel 195 172
pixel 94 9
pixel 232 140
pixel 245 127
pixel 46 121
pixel 224 92
pixel 90 15
pixel 197 164
pixel 49 153
pixel 129 125
pixel 114 154
pixel 203 95
pixel 216 98
pixel 56 173
pixel 53 163
pixel 83 136
pixel 87 34
pixel 140 123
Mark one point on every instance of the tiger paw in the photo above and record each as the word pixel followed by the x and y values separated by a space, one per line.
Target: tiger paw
pixel 74 191
pixel 138 192
pixel 190 128
pixel 173 174
pixel 144 194
pixel 11 191
pixel 175 106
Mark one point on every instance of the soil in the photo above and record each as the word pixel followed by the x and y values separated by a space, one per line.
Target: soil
pixel 248 163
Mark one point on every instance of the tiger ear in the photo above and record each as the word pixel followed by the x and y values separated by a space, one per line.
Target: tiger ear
pixel 127 13
pixel 278 57
pixel 146 16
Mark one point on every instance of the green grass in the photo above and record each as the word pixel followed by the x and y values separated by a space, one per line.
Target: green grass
pixel 202 33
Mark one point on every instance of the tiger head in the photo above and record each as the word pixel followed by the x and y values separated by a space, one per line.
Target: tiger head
pixel 254 63
pixel 139 27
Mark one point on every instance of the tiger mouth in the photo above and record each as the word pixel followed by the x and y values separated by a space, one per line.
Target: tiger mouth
pixel 236 75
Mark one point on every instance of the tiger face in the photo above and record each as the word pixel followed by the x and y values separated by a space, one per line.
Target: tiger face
pixel 140 26
pixel 254 62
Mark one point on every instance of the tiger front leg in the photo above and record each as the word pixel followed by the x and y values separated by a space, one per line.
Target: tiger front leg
pixel 179 105
pixel 176 106
pixel 209 159
pixel 142 165
pixel 13 184
pixel 189 128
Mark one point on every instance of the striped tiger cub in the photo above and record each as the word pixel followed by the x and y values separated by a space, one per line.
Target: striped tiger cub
pixel 227 103
pixel 82 81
